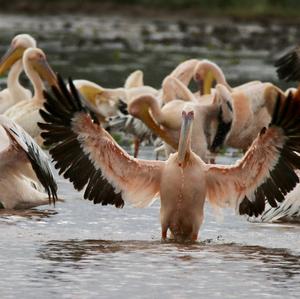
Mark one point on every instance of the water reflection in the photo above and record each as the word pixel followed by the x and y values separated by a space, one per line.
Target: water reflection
pixel 278 265
pixel 27 214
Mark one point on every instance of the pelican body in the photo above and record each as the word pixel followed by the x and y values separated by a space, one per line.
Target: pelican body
pixel 24 170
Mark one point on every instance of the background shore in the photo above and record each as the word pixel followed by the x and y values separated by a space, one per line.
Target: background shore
pixel 283 10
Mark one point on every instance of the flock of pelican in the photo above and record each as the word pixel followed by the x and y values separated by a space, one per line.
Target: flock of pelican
pixel 74 122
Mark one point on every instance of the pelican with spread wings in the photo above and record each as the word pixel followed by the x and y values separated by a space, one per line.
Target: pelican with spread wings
pixel 89 157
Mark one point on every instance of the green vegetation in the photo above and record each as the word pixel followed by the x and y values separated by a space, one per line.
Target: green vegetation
pixel 239 8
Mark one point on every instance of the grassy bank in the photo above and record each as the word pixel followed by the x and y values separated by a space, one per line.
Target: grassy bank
pixel 285 9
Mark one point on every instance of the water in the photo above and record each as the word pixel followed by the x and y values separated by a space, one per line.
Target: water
pixel 79 250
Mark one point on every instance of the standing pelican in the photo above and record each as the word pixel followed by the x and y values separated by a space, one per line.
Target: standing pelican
pixel 165 122
pixel 24 169
pixel 112 103
pixel 107 100
pixel 15 92
pixel 85 153
pixel 248 102
pixel 26 113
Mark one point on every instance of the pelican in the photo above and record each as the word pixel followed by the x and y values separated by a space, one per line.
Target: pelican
pixel 24 170
pixel 206 71
pixel 86 154
pixel 107 100
pixel 165 122
pixel 112 104
pixel 26 113
pixel 249 114
pixel 248 102
pixel 15 92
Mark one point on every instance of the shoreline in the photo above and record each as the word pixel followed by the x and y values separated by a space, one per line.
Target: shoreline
pixel 90 7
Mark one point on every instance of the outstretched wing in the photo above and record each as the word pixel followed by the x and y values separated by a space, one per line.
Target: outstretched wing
pixel 288 66
pixel 88 156
pixel 37 158
pixel 266 172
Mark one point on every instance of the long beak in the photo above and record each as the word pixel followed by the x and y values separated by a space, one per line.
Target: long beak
pixel 45 71
pixel 185 135
pixel 208 81
pixel 141 111
pixel 90 93
pixel 10 57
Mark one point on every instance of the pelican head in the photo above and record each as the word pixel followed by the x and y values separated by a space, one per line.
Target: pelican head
pixel 18 45
pixel 36 59
pixel 102 100
pixel 205 73
pixel 185 133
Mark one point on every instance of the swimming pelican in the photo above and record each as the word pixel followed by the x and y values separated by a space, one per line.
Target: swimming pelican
pixel 15 92
pixel 24 169
pixel 85 153
pixel 26 113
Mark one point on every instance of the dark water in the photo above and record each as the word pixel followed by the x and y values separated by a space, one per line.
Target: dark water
pixel 79 250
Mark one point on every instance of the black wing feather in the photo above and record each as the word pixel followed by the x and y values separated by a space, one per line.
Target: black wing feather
pixel 288 66
pixel 39 161
pixel 282 177
pixel 60 108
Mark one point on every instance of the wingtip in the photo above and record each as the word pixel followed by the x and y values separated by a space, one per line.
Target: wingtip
pixel 288 66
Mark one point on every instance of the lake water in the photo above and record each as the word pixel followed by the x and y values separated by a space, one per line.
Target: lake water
pixel 80 250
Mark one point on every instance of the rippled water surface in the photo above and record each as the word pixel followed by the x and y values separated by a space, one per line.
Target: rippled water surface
pixel 79 250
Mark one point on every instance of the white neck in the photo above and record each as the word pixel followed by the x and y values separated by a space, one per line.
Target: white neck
pixel 35 80
pixel 17 91
pixel 219 75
